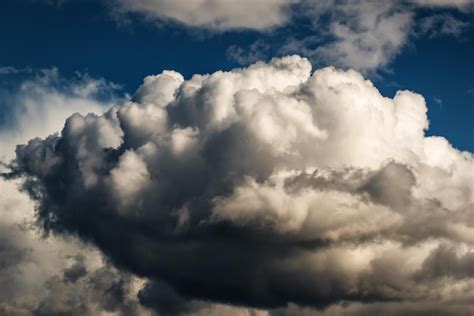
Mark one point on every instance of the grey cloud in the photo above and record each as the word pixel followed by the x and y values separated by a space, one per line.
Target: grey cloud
pixel 164 299
pixel 390 185
pixel 51 276
pixel 77 292
pixel 256 51
pixel 102 290
pixel 10 253
pixel 391 308
pixel 76 271
pixel 444 261
pixel 214 15
pixel 442 24
pixel 457 4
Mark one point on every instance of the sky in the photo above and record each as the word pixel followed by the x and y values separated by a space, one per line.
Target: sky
pixel 284 157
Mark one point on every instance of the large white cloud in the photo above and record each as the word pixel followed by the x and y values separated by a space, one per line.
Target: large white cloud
pixel 265 186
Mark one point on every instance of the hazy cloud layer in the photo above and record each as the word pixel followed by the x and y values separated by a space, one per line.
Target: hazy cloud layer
pixel 269 187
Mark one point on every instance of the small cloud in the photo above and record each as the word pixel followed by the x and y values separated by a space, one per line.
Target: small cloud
pixel 441 25
pixel 256 51
pixel 11 70
pixel 212 15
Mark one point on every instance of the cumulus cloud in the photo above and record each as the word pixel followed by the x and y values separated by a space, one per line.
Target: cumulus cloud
pixel 267 187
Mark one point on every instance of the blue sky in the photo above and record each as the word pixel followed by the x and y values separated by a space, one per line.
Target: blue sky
pixel 88 37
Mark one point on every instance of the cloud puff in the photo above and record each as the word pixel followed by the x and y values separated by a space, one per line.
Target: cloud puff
pixel 367 35
pixel 262 187
pixel 35 103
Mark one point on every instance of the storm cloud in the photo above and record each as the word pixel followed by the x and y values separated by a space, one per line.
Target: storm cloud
pixel 262 187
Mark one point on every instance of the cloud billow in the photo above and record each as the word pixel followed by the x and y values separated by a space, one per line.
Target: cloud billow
pixel 261 187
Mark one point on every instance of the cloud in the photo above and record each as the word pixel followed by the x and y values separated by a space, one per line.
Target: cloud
pixel 263 187
pixel 257 51
pixel 54 275
pixel 215 15
pixel 458 4
pixel 367 35
pixel 442 24
pixel 363 35
pixel 35 103
pixel 51 275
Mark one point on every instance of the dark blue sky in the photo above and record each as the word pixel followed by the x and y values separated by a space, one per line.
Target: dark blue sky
pixel 83 36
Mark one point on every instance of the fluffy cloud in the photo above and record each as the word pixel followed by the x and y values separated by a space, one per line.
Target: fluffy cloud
pixel 35 103
pixel 263 187
pixel 368 35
